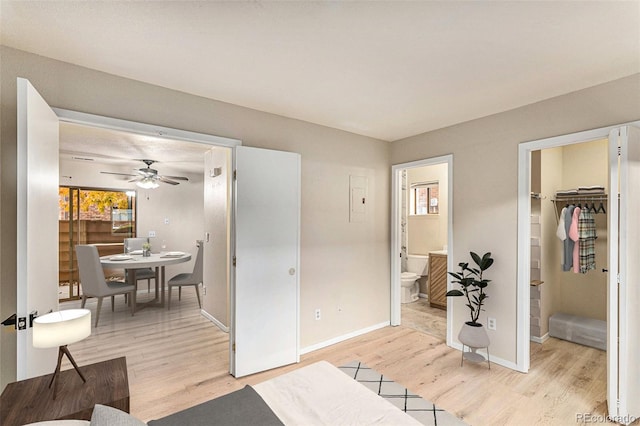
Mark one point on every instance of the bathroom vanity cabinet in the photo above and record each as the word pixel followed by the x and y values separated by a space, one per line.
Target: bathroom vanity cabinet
pixel 438 280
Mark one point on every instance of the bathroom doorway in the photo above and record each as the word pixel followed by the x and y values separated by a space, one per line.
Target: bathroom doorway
pixel 421 240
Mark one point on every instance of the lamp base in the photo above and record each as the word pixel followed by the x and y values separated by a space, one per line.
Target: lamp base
pixel 63 350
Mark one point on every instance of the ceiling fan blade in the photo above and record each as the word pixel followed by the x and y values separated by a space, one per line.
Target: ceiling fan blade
pixel 176 177
pixel 119 174
pixel 165 180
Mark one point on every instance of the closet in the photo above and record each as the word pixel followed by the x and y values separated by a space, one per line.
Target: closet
pixel 570 302
pixel 608 157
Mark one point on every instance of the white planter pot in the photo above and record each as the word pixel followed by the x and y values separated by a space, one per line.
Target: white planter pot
pixel 474 337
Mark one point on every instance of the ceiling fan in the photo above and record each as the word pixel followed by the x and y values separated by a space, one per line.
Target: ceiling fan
pixel 148 178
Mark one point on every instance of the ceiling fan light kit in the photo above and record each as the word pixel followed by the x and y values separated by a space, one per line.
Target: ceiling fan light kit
pixel 147 183
pixel 148 178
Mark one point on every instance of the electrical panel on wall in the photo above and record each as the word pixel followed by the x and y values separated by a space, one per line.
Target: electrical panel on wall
pixel 358 192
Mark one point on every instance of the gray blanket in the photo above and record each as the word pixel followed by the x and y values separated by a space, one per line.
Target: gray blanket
pixel 242 407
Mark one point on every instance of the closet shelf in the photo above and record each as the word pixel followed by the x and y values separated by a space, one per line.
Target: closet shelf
pixel 581 197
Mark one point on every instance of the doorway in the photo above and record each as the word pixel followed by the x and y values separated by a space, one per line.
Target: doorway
pixel 421 238
pixel 35 113
pixel 234 183
pixel 623 149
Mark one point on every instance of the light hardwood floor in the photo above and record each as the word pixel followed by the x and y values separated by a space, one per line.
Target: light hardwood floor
pixel 420 316
pixel 177 359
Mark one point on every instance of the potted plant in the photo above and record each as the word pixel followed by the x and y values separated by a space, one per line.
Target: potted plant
pixel 146 249
pixel 472 286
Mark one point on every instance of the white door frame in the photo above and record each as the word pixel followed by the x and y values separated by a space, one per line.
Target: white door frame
pixel 524 229
pixel 103 122
pixel 396 211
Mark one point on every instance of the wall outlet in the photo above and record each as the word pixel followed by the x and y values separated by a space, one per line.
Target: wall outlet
pixel 491 323
pixel 166 220
pixel 152 234
pixel 317 314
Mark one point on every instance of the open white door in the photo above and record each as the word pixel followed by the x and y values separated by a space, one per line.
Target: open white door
pixel 37 224
pixel 265 296
pixel 623 346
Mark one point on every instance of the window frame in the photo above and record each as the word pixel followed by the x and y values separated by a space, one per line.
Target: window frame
pixel 413 199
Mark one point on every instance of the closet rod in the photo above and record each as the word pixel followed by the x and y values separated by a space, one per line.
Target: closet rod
pixel 572 199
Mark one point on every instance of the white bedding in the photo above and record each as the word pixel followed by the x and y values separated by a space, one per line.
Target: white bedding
pixel 321 394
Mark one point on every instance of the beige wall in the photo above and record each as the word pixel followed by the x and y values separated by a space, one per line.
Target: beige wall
pixel 429 232
pixel 344 266
pixel 485 182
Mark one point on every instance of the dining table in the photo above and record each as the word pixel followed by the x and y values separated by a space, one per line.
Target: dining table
pixel 158 261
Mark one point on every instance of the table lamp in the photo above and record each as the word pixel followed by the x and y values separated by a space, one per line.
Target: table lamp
pixel 60 329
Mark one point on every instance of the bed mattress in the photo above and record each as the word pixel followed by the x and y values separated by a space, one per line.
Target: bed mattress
pixel 320 394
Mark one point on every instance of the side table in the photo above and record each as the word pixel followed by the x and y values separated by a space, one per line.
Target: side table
pixel 31 400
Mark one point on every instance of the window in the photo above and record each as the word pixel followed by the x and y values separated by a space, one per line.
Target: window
pixel 425 198
pixel 90 216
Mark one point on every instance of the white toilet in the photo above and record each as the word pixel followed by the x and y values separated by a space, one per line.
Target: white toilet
pixel 417 266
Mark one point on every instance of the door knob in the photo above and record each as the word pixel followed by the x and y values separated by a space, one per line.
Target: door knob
pixel 292 271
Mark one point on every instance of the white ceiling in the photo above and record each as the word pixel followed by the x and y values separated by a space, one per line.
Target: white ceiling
pixel 388 70
pixel 122 152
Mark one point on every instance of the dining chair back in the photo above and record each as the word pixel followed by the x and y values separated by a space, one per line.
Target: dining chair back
pixel 131 244
pixel 93 282
pixel 189 279
pixel 134 243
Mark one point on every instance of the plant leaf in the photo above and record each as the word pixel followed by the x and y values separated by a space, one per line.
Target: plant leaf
pixel 476 258
pixel 455 293
pixel 456 275
pixel 486 263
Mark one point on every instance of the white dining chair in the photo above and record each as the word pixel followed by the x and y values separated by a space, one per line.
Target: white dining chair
pixel 93 282
pixel 188 279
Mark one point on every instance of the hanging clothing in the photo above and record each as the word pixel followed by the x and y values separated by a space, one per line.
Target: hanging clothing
pixel 562 231
pixel 587 234
pixel 567 262
pixel 575 237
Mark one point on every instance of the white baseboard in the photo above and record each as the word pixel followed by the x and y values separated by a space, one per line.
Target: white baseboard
pixel 342 338
pixel 211 318
pixel 539 339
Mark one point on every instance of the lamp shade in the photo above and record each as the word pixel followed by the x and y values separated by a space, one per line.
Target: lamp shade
pixel 61 328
